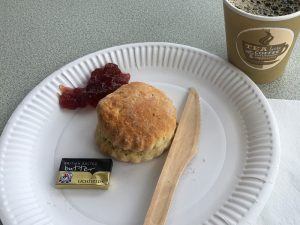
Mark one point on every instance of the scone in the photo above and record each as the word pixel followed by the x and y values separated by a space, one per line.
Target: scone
pixel 135 123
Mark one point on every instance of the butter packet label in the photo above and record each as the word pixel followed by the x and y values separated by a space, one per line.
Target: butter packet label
pixel 84 173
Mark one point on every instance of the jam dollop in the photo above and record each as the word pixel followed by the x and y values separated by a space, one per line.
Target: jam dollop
pixel 103 81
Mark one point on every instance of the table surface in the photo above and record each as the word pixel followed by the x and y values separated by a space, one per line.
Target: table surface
pixel 39 37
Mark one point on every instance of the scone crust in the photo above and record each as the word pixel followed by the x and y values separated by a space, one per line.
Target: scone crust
pixel 107 148
pixel 137 117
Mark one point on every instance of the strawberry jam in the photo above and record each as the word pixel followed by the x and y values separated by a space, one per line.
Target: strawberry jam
pixel 103 81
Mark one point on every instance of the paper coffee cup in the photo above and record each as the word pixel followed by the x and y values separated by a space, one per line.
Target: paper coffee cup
pixel 260 45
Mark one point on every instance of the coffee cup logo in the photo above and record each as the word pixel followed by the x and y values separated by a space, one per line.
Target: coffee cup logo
pixel 263 48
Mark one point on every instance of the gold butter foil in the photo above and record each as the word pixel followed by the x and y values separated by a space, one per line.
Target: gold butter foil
pixel 79 179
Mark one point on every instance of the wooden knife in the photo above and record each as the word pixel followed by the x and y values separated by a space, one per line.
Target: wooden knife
pixel 184 147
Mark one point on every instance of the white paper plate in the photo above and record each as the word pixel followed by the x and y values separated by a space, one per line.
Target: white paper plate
pixel 228 182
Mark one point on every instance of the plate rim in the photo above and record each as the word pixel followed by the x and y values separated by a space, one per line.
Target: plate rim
pixel 253 211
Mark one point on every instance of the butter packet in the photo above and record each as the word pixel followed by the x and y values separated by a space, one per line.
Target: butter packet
pixel 84 173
